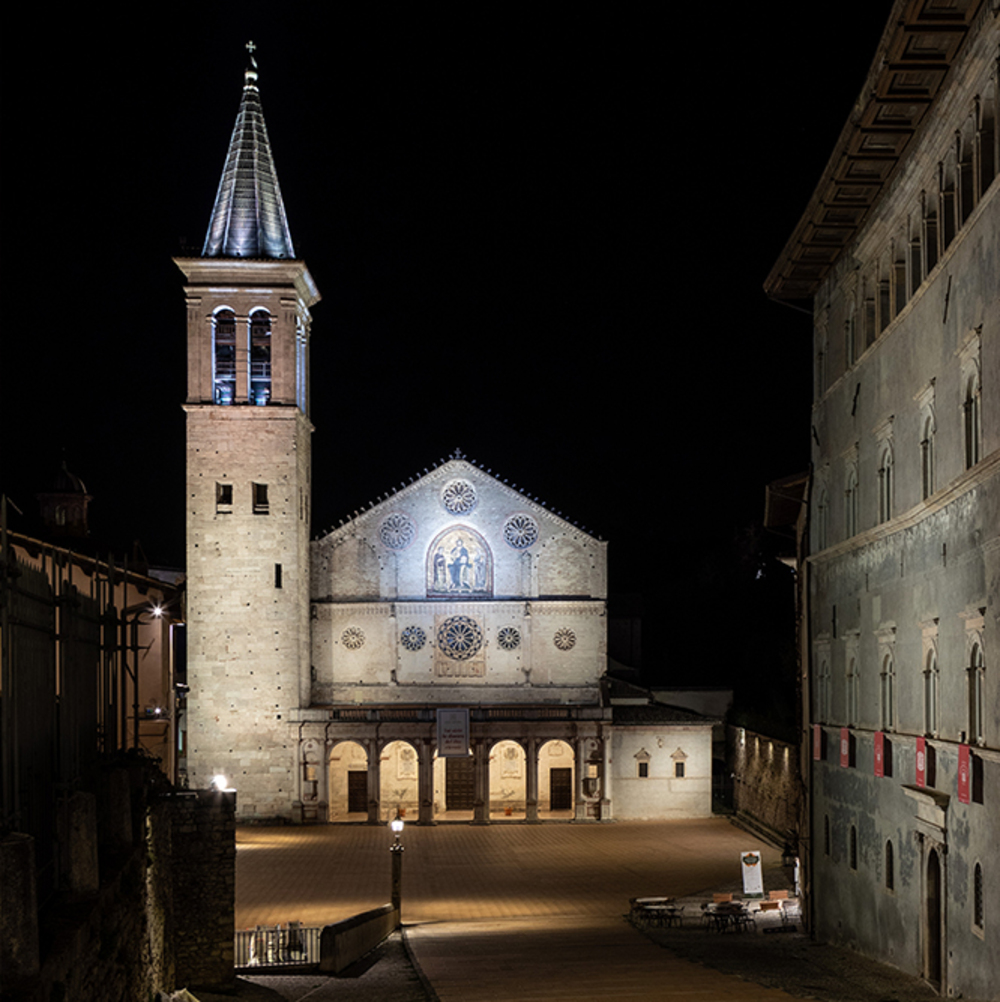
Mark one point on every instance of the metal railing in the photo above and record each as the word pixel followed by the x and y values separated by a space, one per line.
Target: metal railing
pixel 293 945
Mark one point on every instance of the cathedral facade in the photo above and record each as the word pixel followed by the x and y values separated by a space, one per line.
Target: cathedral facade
pixel 443 653
pixel 899 252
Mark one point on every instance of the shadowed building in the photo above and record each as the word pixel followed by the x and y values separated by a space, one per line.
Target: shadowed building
pixel 899 252
pixel 318 670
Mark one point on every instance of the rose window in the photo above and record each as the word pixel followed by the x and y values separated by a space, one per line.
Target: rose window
pixel 509 638
pixel 565 639
pixel 396 531
pixel 413 638
pixel 459 638
pixel 520 531
pixel 458 496
pixel 353 638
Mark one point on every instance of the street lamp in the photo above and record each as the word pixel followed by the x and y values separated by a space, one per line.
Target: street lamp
pixel 396 849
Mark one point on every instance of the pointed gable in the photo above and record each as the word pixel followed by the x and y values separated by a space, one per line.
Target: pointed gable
pixel 248 219
pixel 458 533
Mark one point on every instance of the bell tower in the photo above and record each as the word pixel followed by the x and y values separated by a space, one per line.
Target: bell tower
pixel 248 480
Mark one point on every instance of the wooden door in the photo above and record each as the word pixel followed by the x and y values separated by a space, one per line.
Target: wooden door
pixel 460 784
pixel 560 789
pixel 357 791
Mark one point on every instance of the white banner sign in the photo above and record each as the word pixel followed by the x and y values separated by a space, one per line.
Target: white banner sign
pixel 453 733
pixel 753 874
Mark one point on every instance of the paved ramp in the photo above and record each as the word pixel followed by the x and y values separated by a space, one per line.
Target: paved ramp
pixel 508 911
pixel 577 958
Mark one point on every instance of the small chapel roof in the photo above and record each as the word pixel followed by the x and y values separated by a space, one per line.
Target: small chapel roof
pixel 248 220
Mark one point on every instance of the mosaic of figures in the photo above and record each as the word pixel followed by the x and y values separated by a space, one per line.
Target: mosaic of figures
pixel 459 562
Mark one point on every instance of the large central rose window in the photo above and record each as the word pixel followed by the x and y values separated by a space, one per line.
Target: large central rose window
pixel 460 638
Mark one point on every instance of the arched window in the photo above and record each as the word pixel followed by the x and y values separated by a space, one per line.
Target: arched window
pixel 978 911
pixel 888 693
pixel 927 457
pixel 851 503
pixel 823 520
pixel 851 348
pixel 986 137
pixel 931 694
pixel 224 357
pixel 853 692
pixel 260 357
pixel 963 159
pixel 972 420
pixel 890 867
pixel 823 693
pixel 977 696
pixel 946 201
pixel 885 485
pixel 930 234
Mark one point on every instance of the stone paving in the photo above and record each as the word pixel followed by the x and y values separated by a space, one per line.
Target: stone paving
pixel 532 912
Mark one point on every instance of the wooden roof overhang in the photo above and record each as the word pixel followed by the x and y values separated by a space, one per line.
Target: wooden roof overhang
pixel 919 45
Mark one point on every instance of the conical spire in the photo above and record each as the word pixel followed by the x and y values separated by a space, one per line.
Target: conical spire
pixel 249 216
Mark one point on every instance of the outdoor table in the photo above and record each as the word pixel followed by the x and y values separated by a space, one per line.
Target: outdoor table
pixel 729 918
pixel 664 914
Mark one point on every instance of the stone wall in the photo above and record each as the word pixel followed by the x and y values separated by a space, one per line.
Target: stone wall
pixel 151 909
pixel 767 789
pixel 192 852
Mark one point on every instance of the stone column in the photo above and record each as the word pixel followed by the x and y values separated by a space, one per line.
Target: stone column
pixel 425 782
pixel 77 827
pixel 481 809
pixel 580 800
pixel 531 780
pixel 19 915
pixel 242 389
pixel 606 811
pixel 323 783
pixel 374 779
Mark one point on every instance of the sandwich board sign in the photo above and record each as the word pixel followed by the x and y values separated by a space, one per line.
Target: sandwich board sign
pixel 753 874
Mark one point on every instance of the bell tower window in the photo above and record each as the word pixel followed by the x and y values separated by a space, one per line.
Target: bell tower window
pixel 224 357
pixel 260 357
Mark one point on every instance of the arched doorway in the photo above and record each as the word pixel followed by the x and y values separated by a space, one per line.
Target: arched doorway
pixel 932 920
pixel 400 781
pixel 508 780
pixel 556 780
pixel 347 771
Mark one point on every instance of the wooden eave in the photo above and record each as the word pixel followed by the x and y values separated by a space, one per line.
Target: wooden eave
pixel 921 42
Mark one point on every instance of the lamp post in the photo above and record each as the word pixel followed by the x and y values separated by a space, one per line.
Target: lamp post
pixel 396 850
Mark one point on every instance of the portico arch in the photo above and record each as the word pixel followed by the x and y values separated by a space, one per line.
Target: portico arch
pixel 347 772
pixel 399 781
pixel 508 779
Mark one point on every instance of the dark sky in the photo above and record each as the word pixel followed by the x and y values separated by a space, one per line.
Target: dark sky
pixel 539 237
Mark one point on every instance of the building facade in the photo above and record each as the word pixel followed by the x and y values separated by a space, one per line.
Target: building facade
pixel 899 252
pixel 319 670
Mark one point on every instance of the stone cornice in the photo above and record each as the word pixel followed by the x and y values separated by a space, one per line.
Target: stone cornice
pixel 968 481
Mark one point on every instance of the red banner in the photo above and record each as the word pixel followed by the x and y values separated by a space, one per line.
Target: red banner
pixel 964 768
pixel 879 753
pixel 845 747
pixel 817 742
pixel 921 762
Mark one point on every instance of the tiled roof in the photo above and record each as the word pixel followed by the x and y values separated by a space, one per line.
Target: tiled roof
pixel 249 216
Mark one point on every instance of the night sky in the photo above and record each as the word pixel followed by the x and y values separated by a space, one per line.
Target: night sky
pixel 540 234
